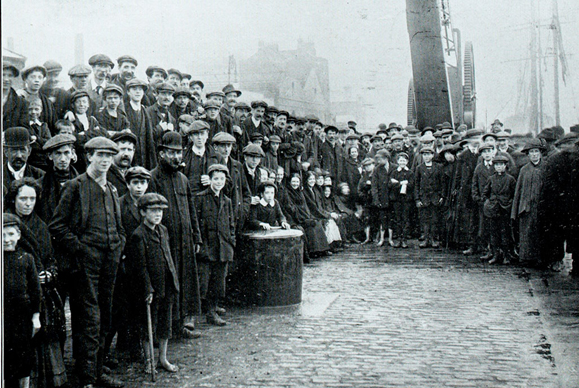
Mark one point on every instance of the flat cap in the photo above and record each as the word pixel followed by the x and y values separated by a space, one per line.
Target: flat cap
pixel 186 76
pixel 427 138
pixel 165 87
pixel 9 219
pixel 472 133
pixel 215 93
pixel 26 72
pixel 12 68
pixel 198 126
pixel 79 70
pixel 185 118
pixel 16 137
pixel 113 88
pixel 127 58
pixel 253 150
pixel 101 58
pixel 274 139
pixel 78 94
pixel 242 105
pixel 218 167
pixel 137 172
pixel 353 136
pixel 197 82
pixel 182 91
pixel 171 140
pixel 255 104
pixel 176 72
pixel 503 135
pixel 376 137
pixel 437 134
pixel 397 136
pixel 52 66
pixel 448 148
pixel 501 157
pixel 124 135
pixel 223 138
pixel 256 136
pixel 212 105
pixel 152 69
pixel 424 150
pixel 403 155
pixel 383 154
pixel 231 89
pixel 152 201
pixel 135 82
pixel 101 143
pixel 367 161
pixel 570 138
pixel 485 147
pixel 366 134
pixel 330 128
pixel 58 141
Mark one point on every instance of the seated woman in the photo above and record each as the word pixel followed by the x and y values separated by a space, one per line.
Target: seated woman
pixel 348 218
pixel 314 201
pixel 267 213
pixel 300 214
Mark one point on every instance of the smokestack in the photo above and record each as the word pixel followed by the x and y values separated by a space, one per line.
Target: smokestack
pixel 79 49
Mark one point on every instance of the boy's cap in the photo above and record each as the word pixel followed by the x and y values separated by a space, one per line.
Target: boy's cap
pixel 218 167
pixel 101 143
pixel 501 157
pixel 402 155
pixel 136 83
pixel 26 72
pixel 198 126
pixel 10 219
pixel 223 138
pixel 253 150
pixel 113 88
pixel 78 94
pixel 152 201
pixel 485 147
pixel 425 150
pixel 367 161
pixel 151 69
pixel 79 70
pixel 58 141
pixel 137 172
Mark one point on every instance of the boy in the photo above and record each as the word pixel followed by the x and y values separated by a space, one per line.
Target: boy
pixel 498 197
pixel 267 212
pixel 111 118
pixel 481 175
pixel 401 188
pixel 39 134
pixel 154 275
pixel 365 195
pixel 428 196
pixel 217 226
pixel 380 198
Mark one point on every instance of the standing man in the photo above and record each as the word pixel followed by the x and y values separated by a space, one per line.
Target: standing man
pixel 174 77
pixel 127 67
pixel 141 124
pixel 126 143
pixel 352 126
pixel 87 223
pixel 183 226
pixel 14 107
pixel 196 156
pixel 57 95
pixel 34 77
pixel 16 152
pixel 161 118
pixel 102 66
pixel 255 123
pixel 231 96
pixel 331 154
pixel 252 155
pixel 155 76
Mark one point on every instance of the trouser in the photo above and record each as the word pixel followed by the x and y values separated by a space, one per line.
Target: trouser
pixel 429 222
pixel 211 282
pixel 484 228
pixel 402 219
pixel 91 308
pixel 501 240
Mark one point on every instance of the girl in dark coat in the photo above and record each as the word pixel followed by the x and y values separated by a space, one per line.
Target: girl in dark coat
pixel 267 213
pixel 352 171
pixel 327 218
pixel 298 210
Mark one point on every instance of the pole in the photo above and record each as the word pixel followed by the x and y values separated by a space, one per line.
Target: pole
pixel 151 344
pixel 556 65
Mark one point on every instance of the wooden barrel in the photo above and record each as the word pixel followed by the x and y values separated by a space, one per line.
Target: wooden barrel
pixel 269 269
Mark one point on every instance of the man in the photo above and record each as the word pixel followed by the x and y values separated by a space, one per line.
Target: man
pixel 496 126
pixel 102 66
pixel 161 118
pixel 197 89
pixel 155 76
pixel 224 120
pixel 126 142
pixel 58 96
pixel 180 105
pixel 87 224
pixel 280 124
pixel 270 115
pixel 127 67
pixel 236 187
pixel 186 80
pixel 182 224
pixel 331 154
pixel 196 156
pixel 34 77
pixel 79 76
pixel 231 96
pixel 252 155
pixel 256 122
pixel 16 152
pixel 174 77
pixel 377 143
pixel 271 159
pixel 60 151
pixel 213 119
pixel 352 125
pixel 141 124
pixel 14 107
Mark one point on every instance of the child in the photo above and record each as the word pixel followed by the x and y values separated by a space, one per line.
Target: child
pixel 428 196
pixel 111 118
pixel 481 175
pixel 155 280
pixel 39 134
pixel 380 198
pixel 401 188
pixel 498 197
pixel 22 298
pixel 267 213
pixel 365 192
pixel 217 226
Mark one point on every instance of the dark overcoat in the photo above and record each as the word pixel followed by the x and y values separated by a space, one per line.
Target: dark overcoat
pixel 217 225
pixel 498 195
pixel 15 111
pixel 380 178
pixel 428 184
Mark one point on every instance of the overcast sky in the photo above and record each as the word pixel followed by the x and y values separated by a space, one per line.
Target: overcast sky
pixel 365 41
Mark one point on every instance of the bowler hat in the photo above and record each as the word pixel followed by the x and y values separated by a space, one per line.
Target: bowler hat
pixel 253 150
pixel 489 134
pixel 352 123
pixel 152 69
pixel 152 201
pixel 29 70
pixel 532 144
pixel 231 89
pixel 127 58
pixel 16 137
pixel 376 137
pixel 12 68
pixel 101 143
pixel 124 135
pixel 272 109
pixel 427 138
pixel 256 104
pixel 58 141
pixel 171 140
pixel 397 136
pixel 223 138
pixel 218 167
pixel 330 128
pixel 52 66
pixel 79 70
pixel 446 125
pixel 137 172
pixel 100 58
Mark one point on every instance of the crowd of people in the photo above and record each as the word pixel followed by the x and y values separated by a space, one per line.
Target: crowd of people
pixel 126 196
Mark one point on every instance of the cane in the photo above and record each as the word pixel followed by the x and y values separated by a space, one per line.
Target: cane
pixel 151 345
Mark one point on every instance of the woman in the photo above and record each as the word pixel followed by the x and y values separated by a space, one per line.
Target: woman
pixel 352 172
pixel 526 202
pixel 299 212
pixel 348 219
pixel 21 201
pixel 327 218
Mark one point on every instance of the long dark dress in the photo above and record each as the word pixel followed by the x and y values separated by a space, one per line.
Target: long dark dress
pixel 299 212
pixel 351 175
pixel 524 210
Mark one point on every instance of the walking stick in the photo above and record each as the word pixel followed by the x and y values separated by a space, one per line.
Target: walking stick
pixel 151 345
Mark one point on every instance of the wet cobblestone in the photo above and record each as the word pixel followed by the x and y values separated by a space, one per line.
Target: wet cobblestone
pixel 374 317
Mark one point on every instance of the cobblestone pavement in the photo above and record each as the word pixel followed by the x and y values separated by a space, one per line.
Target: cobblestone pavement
pixel 375 317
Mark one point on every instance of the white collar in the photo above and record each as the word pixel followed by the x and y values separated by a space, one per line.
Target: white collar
pixel 135 105
pixel 265 203
pixel 405 168
pixel 37 122
pixel 255 122
pixel 197 151
pixel 17 174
